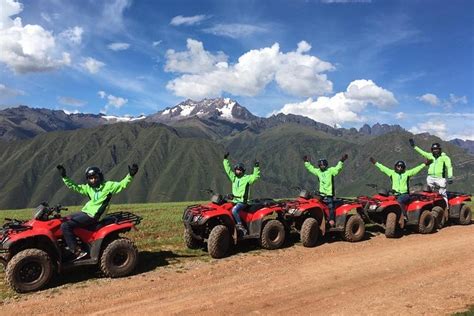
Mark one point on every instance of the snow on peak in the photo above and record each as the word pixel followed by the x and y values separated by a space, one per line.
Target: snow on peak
pixel 186 109
pixel 122 118
pixel 226 110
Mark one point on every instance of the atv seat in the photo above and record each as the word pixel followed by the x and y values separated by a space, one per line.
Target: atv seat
pixel 257 204
pixel 103 222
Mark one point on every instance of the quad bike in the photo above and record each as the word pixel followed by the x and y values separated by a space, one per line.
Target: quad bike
pixel 32 251
pixel 308 215
pixel 214 224
pixel 457 212
pixel 384 209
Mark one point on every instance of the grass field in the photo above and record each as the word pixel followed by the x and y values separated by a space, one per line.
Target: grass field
pixel 159 240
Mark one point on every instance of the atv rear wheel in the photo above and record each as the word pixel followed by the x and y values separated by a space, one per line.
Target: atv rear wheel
pixel 440 217
pixel 219 241
pixel 391 225
pixel 119 258
pixel 426 223
pixel 190 241
pixel 465 215
pixel 273 234
pixel 355 229
pixel 309 232
pixel 29 270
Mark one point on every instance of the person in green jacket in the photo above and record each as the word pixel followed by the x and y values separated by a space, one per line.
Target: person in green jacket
pixel 99 193
pixel 401 179
pixel 440 172
pixel 326 181
pixel 240 187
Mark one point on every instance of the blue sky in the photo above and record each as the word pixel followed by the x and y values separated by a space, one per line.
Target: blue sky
pixel 343 63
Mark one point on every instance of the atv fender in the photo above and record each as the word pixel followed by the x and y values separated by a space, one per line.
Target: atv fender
pixel 255 227
pixel 454 210
pixel 43 242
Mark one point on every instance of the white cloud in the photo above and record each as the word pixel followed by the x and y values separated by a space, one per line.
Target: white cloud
pixel 46 17
pixel 343 106
pixel 208 75
pixel 235 30
pixel 73 35
pixel 6 92
pixel 429 98
pixel 112 14
pixel 28 48
pixel 92 65
pixel 447 125
pixel 102 94
pixel 434 127
pixel 112 101
pixel 71 101
pixel 400 116
pixel 156 43
pixel 118 46
pixel 188 20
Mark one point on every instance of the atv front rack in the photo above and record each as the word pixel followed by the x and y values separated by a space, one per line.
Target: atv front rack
pixel 124 217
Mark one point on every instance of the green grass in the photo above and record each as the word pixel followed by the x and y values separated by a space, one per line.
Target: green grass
pixel 469 312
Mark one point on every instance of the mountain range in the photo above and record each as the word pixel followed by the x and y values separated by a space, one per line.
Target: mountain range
pixel 180 149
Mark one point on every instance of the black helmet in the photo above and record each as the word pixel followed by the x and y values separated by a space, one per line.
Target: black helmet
pixel 92 172
pixel 400 164
pixel 435 146
pixel 323 162
pixel 240 166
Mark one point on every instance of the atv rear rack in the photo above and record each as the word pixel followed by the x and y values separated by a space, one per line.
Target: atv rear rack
pixel 124 217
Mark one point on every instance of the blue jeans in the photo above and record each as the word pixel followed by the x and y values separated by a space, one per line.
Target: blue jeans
pixel 403 200
pixel 235 212
pixel 79 219
pixel 329 200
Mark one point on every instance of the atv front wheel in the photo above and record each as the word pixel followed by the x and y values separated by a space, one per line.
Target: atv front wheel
pixel 391 225
pixel 119 258
pixel 309 232
pixel 426 223
pixel 273 235
pixel 190 241
pixel 218 242
pixel 440 218
pixel 29 270
pixel 355 229
pixel 465 215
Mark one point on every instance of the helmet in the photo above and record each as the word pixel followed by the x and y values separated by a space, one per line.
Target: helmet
pixel 400 165
pixel 435 146
pixel 240 166
pixel 92 172
pixel 323 162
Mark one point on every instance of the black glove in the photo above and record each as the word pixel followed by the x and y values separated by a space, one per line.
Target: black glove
pixel 372 160
pixel 412 142
pixel 306 159
pixel 428 162
pixel 62 170
pixel 226 155
pixel 133 169
pixel 344 157
pixel 256 163
pixel 450 181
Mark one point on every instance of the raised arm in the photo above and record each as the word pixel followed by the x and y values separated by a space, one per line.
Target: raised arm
pixel 256 173
pixel 337 168
pixel 384 169
pixel 312 169
pixel 228 168
pixel 79 188
pixel 449 166
pixel 414 171
pixel 425 154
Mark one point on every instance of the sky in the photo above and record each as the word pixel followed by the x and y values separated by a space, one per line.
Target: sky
pixel 341 62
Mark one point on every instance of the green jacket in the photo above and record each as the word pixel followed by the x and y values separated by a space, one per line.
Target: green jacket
pixel 241 186
pixel 441 166
pixel 400 181
pixel 326 177
pixel 100 196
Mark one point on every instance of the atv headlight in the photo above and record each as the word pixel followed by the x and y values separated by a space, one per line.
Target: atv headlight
pixel 197 218
pixel 373 207
pixel 292 211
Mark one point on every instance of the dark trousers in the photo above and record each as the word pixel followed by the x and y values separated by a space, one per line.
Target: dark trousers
pixel 403 200
pixel 235 212
pixel 329 200
pixel 79 219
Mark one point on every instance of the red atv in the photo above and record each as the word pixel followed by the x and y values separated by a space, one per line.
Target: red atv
pixel 384 209
pixel 440 210
pixel 213 223
pixel 33 250
pixel 308 215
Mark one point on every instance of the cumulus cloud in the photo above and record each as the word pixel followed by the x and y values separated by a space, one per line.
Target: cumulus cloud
pixel 429 98
pixel 343 106
pixel 112 101
pixel 6 92
pixel 234 30
pixel 71 101
pixel 92 65
pixel 434 127
pixel 118 46
pixel 188 20
pixel 209 75
pixel 73 35
pixel 28 48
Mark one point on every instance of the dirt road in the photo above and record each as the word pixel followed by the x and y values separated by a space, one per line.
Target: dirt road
pixel 416 274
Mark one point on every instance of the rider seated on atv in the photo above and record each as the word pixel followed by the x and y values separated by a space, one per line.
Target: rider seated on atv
pixel 99 192
pixel 440 172
pixel 400 179
pixel 326 181
pixel 240 187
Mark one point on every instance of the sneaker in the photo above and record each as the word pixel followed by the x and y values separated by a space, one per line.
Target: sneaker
pixel 241 228
pixel 80 254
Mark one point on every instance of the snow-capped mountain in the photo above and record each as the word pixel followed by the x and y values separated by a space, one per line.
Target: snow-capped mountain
pixel 220 108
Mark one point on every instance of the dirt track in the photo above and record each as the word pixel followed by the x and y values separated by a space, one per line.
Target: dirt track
pixel 417 274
